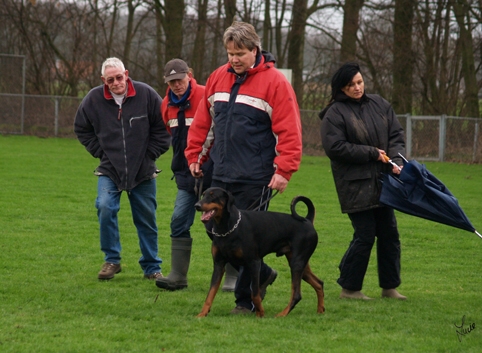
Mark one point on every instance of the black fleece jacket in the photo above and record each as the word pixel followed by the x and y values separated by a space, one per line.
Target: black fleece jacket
pixel 126 139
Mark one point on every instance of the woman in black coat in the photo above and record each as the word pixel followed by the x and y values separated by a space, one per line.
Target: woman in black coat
pixel 359 133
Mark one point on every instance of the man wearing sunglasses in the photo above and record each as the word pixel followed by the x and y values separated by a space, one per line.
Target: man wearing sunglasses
pixel 120 123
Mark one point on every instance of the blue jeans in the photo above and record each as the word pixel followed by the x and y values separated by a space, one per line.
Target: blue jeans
pixel 183 214
pixel 143 206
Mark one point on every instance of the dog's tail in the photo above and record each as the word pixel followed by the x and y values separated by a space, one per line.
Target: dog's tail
pixel 311 208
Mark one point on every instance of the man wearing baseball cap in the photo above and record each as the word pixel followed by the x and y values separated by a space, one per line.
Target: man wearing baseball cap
pixel 182 98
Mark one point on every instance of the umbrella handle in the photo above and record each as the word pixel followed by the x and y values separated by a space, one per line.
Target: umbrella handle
pixel 401 155
pixel 388 160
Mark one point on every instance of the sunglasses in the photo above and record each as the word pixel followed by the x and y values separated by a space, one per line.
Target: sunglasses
pixel 111 80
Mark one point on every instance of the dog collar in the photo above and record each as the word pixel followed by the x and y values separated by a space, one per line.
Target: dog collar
pixel 230 231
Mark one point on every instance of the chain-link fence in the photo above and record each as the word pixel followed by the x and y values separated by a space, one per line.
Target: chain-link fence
pixel 438 138
pixel 38 115
pixel 443 138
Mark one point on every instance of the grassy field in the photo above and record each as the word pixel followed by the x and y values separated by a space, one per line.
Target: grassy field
pixel 51 300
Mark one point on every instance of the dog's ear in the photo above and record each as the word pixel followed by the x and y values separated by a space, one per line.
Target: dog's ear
pixel 230 201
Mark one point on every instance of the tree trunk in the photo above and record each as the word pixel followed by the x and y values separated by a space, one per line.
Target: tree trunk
pixel 197 62
pixel 296 46
pixel 174 13
pixel 230 11
pixel 218 38
pixel 403 57
pixel 350 28
pixel 159 51
pixel 266 25
pixel 461 10
pixel 280 11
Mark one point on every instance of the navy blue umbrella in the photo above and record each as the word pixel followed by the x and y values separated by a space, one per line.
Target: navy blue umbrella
pixel 419 193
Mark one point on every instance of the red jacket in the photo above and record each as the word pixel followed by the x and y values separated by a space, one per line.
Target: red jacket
pixel 178 118
pixel 170 111
pixel 250 125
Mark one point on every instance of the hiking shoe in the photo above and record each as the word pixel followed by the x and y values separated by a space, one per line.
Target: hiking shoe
pixel 353 294
pixel 241 310
pixel 271 278
pixel 109 270
pixel 392 293
pixel 154 276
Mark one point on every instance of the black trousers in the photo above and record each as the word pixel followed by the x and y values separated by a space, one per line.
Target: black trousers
pixel 244 197
pixel 377 223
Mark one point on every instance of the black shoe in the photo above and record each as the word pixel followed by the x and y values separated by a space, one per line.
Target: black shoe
pixel 271 278
pixel 241 310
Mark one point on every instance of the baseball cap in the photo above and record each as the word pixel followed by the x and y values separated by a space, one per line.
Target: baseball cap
pixel 176 69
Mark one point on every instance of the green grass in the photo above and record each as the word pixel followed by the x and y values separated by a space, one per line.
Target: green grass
pixel 51 300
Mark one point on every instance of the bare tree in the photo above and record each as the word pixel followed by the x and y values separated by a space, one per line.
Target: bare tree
pixel 133 25
pixel 172 24
pixel 159 47
pixel 53 37
pixel 197 62
pixel 296 41
pixel 267 24
pixel 217 37
pixel 280 9
pixel 462 15
pixel 437 63
pixel 425 56
pixel 403 56
pixel 351 16
pixel 230 12
pixel 374 48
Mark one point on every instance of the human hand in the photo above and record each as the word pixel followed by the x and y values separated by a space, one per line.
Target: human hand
pixel 195 169
pixel 382 156
pixel 396 169
pixel 278 182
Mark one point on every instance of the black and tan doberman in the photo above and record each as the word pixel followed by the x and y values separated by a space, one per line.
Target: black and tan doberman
pixel 243 238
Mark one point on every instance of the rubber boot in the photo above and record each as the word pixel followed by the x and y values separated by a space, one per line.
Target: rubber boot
pixel 230 278
pixel 180 259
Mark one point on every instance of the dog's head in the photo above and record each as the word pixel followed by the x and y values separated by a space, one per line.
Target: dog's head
pixel 214 203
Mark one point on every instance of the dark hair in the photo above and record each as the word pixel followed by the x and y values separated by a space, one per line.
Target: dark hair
pixel 343 77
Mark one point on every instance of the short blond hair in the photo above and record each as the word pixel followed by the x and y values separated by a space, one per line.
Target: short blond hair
pixel 112 62
pixel 243 35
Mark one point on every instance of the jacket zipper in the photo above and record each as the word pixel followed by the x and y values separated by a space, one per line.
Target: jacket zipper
pixel 124 143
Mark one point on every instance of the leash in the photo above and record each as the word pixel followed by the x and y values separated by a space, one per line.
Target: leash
pixel 198 187
pixel 250 208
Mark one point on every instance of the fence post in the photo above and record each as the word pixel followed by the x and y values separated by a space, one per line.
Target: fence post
pixel 442 137
pixel 22 112
pixel 476 133
pixel 56 116
pixel 408 136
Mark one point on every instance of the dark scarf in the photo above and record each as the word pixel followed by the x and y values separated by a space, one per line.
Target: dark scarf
pixel 173 100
